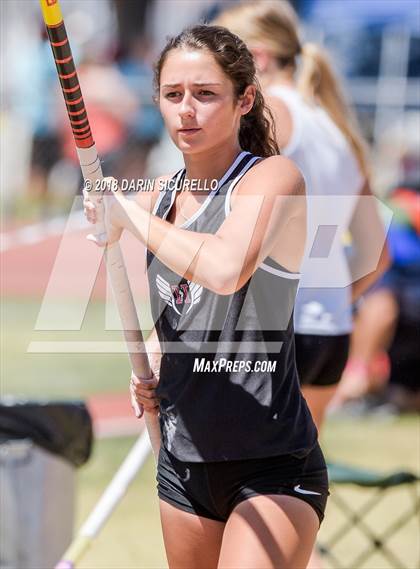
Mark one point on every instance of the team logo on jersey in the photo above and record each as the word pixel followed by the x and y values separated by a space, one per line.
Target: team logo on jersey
pixel 177 296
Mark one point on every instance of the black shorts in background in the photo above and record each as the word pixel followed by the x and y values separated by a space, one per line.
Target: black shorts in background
pixel 46 151
pixel 321 360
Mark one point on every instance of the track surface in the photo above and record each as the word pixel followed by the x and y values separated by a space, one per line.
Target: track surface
pixel 28 255
pixel 113 416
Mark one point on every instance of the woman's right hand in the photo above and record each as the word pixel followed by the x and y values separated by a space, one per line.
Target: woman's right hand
pixel 95 211
pixel 89 208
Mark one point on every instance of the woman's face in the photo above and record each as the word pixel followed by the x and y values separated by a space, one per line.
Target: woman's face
pixel 197 101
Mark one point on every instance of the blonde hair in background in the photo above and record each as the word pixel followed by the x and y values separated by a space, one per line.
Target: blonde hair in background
pixel 273 24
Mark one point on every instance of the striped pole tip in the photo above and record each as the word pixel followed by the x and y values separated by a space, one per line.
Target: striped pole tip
pixel 64 564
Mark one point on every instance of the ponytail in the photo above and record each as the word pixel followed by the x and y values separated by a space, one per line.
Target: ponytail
pixel 257 130
pixel 317 82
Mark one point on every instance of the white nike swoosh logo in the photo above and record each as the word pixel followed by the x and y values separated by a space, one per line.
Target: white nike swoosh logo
pixel 297 488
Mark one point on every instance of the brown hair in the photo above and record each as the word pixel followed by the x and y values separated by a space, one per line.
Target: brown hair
pixel 274 25
pixel 256 133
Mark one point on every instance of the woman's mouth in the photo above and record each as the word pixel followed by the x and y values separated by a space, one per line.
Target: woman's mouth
pixel 189 131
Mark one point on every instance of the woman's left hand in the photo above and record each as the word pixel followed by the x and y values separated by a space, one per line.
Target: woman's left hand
pixel 113 202
pixel 143 393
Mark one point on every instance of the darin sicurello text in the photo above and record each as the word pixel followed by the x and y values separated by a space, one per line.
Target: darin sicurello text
pixel 148 185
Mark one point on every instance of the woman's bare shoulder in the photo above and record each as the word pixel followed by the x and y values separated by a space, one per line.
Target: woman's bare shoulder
pixel 275 175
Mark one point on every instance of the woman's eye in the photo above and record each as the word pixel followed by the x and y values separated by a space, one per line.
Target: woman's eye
pixel 205 93
pixel 172 94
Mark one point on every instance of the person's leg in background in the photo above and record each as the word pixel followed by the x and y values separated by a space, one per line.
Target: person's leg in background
pixel 320 362
pixel 373 333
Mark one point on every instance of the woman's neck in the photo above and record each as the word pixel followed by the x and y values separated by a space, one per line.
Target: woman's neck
pixel 276 76
pixel 212 164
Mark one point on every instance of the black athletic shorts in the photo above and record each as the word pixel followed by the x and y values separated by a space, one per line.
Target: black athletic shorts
pixel 321 360
pixel 214 489
pixel 46 151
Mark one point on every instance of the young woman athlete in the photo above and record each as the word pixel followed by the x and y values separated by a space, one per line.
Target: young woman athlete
pixel 315 130
pixel 241 478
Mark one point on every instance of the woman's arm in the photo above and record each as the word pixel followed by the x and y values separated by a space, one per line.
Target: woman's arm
pixel 154 351
pixel 148 199
pixel 267 200
pixel 369 240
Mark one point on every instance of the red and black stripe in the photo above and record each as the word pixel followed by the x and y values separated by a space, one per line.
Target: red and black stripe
pixel 70 85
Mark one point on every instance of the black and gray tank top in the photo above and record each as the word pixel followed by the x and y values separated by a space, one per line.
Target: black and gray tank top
pixel 228 382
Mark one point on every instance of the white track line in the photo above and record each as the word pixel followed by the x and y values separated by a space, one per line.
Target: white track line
pixel 37 232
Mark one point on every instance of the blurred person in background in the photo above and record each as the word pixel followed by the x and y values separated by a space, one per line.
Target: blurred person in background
pixel 92 27
pixel 166 19
pixel 30 145
pixel 386 337
pixel 35 174
pixel 133 19
pixel 111 106
pixel 146 125
pixel 46 147
pixel 314 128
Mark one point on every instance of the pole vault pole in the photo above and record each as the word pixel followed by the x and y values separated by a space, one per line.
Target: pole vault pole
pixel 107 503
pixel 91 170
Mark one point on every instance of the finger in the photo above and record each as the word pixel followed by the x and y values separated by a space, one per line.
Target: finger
pixel 144 397
pixel 111 183
pixel 151 394
pixel 149 406
pixel 89 205
pixel 149 383
pixel 89 209
pixel 92 202
pixel 145 400
pixel 138 380
pixel 137 407
pixel 90 215
pixel 100 241
pixel 144 388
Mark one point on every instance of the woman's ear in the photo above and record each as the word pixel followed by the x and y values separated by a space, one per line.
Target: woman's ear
pixel 246 101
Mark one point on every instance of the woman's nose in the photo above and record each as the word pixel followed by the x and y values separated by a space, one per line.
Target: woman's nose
pixel 187 107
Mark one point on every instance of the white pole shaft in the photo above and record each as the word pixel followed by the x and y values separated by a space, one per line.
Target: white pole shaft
pixel 92 171
pixel 117 487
